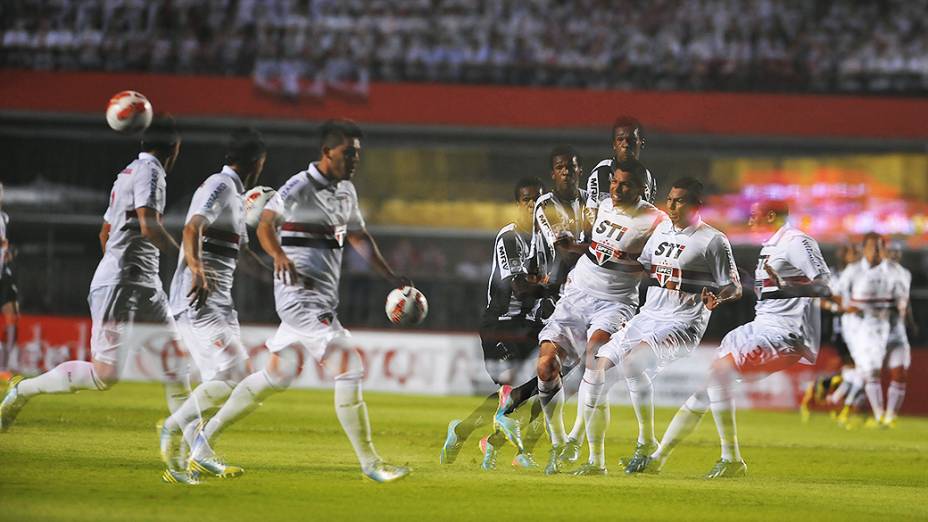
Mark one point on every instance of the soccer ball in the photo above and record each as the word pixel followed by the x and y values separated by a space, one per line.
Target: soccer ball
pixel 128 112
pixel 406 306
pixel 255 199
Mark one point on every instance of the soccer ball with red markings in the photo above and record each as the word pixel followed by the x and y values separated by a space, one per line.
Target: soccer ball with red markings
pixel 255 199
pixel 406 306
pixel 128 112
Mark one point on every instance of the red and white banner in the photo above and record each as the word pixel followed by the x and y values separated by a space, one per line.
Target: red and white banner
pixel 422 362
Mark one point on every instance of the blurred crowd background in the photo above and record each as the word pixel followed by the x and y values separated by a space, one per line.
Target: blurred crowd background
pixel 303 47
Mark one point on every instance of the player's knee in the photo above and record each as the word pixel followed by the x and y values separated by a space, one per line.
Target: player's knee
pixel 899 373
pixel 698 402
pixel 284 367
pixel 353 367
pixel 548 366
pixel 106 375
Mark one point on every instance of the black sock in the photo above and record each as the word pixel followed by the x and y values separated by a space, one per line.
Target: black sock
pixel 521 394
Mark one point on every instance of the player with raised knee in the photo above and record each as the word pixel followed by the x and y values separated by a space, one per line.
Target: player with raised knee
pixel 874 294
pixel 201 292
pixel 790 278
pixel 600 295
pixel 304 228
pixel 691 270
pixel 508 331
pixel 126 287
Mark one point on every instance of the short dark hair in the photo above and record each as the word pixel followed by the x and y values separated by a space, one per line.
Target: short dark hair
pixel 245 146
pixel 779 207
pixel 874 236
pixel 636 169
pixel 693 187
pixel 627 121
pixel 161 136
pixel 563 150
pixel 333 133
pixel 528 181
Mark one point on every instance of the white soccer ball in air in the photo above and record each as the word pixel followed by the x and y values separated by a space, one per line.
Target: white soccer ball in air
pixel 128 112
pixel 406 306
pixel 255 199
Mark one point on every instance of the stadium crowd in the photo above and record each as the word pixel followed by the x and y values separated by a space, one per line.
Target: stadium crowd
pixel 302 46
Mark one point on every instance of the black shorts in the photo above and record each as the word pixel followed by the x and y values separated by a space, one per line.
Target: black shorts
pixel 8 291
pixel 507 344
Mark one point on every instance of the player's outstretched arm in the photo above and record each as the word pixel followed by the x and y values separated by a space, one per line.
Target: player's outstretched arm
pixel 284 269
pixel 819 287
pixel 362 242
pixel 153 230
pixel 193 248
pixel 104 236
pixel 727 294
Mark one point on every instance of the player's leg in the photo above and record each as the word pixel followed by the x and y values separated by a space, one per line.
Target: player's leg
pixel 597 413
pixel 575 438
pixel 638 365
pixel 683 423
pixel 551 395
pixel 898 361
pixel 10 311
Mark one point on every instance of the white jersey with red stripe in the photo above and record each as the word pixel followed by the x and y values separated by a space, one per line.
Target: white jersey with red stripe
pixel 130 259
pixel 680 263
pixel 610 269
pixel 219 200
pixel 875 290
pixel 797 259
pixel 317 215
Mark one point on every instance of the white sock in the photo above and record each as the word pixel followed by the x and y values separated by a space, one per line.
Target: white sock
pixel 207 395
pixel 246 396
pixel 577 432
pixel 597 415
pixel 682 424
pixel 894 399
pixel 551 396
pixel 874 391
pixel 67 377
pixel 351 411
pixel 176 393
pixel 723 412
pixel 641 392
pixel 853 392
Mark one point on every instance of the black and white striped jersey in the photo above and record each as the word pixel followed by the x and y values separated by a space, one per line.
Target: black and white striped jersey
pixel 511 256
pixel 555 220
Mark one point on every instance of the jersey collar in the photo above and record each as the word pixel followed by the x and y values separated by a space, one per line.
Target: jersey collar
pixel 775 238
pixel 150 157
pixel 229 171
pixel 690 229
pixel 320 181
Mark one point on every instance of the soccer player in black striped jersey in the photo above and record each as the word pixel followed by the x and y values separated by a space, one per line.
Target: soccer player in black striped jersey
pixel 627 142
pixel 9 300
pixel 508 331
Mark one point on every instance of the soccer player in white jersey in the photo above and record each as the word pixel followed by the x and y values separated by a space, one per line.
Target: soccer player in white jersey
pixel 600 294
pixel 874 294
pixel 201 292
pixel 126 286
pixel 9 296
pixel 304 228
pixel 627 142
pixel 691 271
pixel 790 277
pixel 899 351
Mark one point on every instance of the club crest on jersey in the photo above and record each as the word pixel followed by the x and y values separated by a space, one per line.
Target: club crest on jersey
pixel 602 253
pixel 663 274
pixel 339 233
pixel 326 318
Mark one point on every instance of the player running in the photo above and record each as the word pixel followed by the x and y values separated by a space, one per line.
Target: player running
pixel 9 296
pixel 874 295
pixel 509 329
pixel 790 277
pixel 691 271
pixel 201 292
pixel 126 286
pixel 600 295
pixel 304 228
pixel 627 142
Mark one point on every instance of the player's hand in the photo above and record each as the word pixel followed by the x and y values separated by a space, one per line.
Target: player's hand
pixel 851 309
pixel 709 299
pixel 774 275
pixel 199 289
pixel 285 270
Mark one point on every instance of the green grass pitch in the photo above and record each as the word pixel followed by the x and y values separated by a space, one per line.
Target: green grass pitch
pixel 93 456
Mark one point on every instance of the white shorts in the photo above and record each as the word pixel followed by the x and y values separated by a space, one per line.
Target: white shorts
pixel 317 332
pixel 577 315
pixel 898 349
pixel 762 341
pixel 866 339
pixel 213 337
pixel 113 310
pixel 669 339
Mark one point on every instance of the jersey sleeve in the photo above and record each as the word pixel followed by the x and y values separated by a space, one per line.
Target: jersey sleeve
pixel 544 229
pixel 721 261
pixel 285 199
pixel 842 286
pixel 355 219
pixel 646 257
pixel 209 200
pixel 804 254
pixel 149 188
pixel 902 285
pixel 508 256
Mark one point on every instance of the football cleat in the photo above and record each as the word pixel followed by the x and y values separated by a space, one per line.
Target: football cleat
pixel 555 460
pixel 524 460
pixel 888 423
pixel 490 452
pixel 169 445
pixel 382 472
pixel 727 469
pixel 874 424
pixel 510 428
pixel 589 470
pixel 571 451
pixel 452 445
pixel 180 477
pixel 11 404
pixel 641 458
pixel 844 416
pixel 214 467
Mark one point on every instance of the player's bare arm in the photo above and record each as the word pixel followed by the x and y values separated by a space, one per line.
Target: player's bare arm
pixel 284 269
pixel 193 249
pixel 153 230
pixel 104 236
pixel 817 288
pixel 726 294
pixel 363 243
